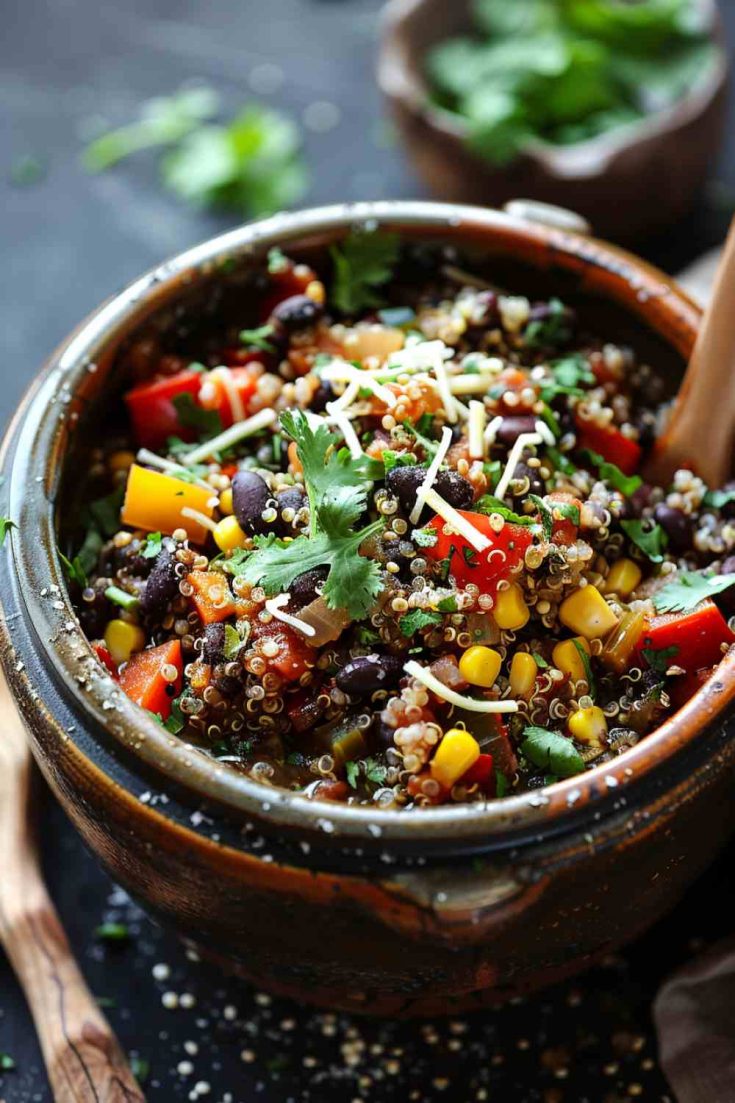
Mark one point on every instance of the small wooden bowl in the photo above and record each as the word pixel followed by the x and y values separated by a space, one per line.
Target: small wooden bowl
pixel 627 184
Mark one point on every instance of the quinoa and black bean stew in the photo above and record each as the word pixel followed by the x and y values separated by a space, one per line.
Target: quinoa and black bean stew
pixel 389 545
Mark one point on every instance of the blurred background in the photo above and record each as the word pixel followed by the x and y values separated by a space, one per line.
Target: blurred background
pixel 135 129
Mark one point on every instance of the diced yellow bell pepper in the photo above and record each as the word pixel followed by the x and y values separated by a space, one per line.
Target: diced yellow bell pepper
pixel 586 612
pixel 623 578
pixel 225 501
pixel 228 535
pixel 480 666
pixel 510 611
pixel 154 501
pixel 523 671
pixel 457 751
pixel 589 726
pixel 566 657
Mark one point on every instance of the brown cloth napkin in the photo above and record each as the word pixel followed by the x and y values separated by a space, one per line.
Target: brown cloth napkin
pixel 694 1014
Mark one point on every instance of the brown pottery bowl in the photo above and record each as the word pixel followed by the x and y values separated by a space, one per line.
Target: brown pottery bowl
pixel 628 183
pixel 387 912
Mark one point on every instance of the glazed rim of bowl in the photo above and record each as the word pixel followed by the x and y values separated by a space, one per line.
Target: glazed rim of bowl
pixel 41 439
pixel 408 84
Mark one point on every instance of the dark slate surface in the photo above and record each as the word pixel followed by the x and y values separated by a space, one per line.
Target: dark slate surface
pixel 67 242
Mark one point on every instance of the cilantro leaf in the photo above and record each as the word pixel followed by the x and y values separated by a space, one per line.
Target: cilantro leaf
pixel 352 772
pixel 649 537
pixel 397 459
pixel 234 642
pixel 561 462
pixel 362 263
pixel 611 473
pixel 417 619
pixel 551 331
pixel 258 338
pixel 547 517
pixel 489 504
pixel 688 588
pixel 176 721
pixel 570 371
pixel 429 446
pixel 660 660
pixel 152 545
pixel 192 416
pixel 716 499
pixel 551 751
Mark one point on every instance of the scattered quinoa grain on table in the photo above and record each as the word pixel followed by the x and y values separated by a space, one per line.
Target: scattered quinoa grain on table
pixel 384 540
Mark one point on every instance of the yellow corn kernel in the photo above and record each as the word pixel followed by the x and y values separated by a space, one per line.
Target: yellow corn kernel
pixel 523 671
pixel 315 291
pixel 225 501
pixel 228 535
pixel 120 461
pixel 585 611
pixel 122 639
pixel 567 658
pixel 589 726
pixel 623 578
pixel 457 751
pixel 510 611
pixel 480 666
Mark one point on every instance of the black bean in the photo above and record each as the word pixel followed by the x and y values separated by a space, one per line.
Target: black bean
pixel 296 312
pixel 163 583
pixel 367 673
pixel 250 496
pixel 404 483
pixel 126 558
pixel 95 614
pixel 382 734
pixel 512 427
pixel 321 396
pixel 214 643
pixel 293 497
pixel 676 525
pixel 639 500
pixel 487 302
pixel 306 587
pixel 226 685
pixel 535 482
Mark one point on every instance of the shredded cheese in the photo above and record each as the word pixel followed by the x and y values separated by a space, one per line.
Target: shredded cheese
pixel 476 429
pixel 274 605
pixel 234 398
pixel 200 518
pixel 345 427
pixel 231 436
pixel 513 459
pixel 347 372
pixel 418 357
pixel 544 431
pixel 347 397
pixel 424 675
pixel 470 384
pixel 152 460
pixel 492 429
pixel 460 524
pixel 442 383
pixel 431 474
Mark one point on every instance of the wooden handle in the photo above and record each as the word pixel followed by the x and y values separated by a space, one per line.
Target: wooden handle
pixel 702 424
pixel 84 1061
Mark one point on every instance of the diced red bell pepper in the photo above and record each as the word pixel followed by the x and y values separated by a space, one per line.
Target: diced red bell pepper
pixel 105 658
pixel 152 413
pixel 211 598
pixel 294 656
pixel 481 774
pixel 214 393
pixel 610 444
pixel 681 689
pixel 484 569
pixel 564 531
pixel 143 680
pixel 698 636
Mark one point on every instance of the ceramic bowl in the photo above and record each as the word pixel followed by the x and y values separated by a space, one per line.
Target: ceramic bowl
pixel 379 911
pixel 628 184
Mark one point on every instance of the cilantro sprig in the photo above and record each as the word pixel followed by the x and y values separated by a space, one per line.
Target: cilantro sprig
pixel 610 473
pixel 688 588
pixel 648 536
pixel 551 751
pixel 337 492
pixel 362 264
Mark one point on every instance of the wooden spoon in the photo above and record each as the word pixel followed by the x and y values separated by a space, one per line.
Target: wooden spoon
pixel 84 1061
pixel 701 426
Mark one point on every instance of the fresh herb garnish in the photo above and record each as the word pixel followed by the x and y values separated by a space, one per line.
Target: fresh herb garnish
pixel 112 932
pixel 716 499
pixel 234 642
pixel 7 1064
pixel 397 459
pixel 370 768
pixel 122 598
pixel 660 660
pixel 207 423
pixel 688 588
pixel 547 517
pixel 337 493
pixel 587 664
pixel 74 570
pixel 566 511
pixel 362 263
pixel 551 751
pixel 425 538
pixel 551 331
pixel 417 619
pixel 151 546
pixel 651 538
pixel 258 338
pixel 447 605
pixel 366 636
pixel 419 432
pixel 561 462
pixel 610 473
pixel 540 661
pixel 570 371
pixel 277 261
pixel 488 504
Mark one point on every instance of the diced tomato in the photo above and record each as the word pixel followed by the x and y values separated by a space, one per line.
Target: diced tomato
pixel 681 689
pixel 484 569
pixel 143 680
pixel 610 444
pixel 481 774
pixel 215 395
pixel 152 412
pixel 294 656
pixel 105 658
pixel 212 598
pixel 697 636
pixel 564 531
